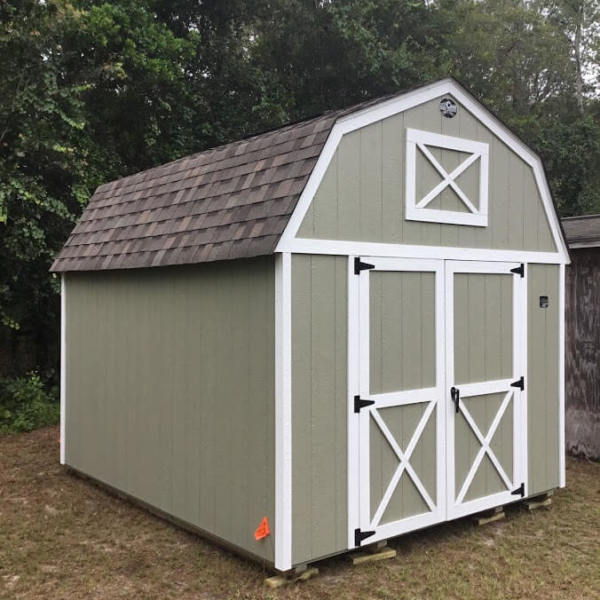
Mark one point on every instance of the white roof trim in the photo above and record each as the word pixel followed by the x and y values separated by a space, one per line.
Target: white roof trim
pixel 388 108
pixel 583 245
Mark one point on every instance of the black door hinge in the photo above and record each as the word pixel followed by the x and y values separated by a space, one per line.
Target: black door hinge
pixel 520 491
pixel 360 403
pixel 361 266
pixel 520 383
pixel 519 270
pixel 359 536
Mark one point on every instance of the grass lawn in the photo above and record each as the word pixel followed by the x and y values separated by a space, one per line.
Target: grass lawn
pixel 61 537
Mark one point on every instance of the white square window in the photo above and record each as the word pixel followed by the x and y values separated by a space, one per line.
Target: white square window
pixel 446 179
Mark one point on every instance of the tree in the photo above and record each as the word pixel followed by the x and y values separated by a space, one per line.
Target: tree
pixel 580 22
pixel 86 94
pixel 332 54
pixel 92 90
pixel 518 58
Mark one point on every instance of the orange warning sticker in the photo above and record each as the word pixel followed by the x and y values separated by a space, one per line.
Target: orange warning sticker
pixel 263 530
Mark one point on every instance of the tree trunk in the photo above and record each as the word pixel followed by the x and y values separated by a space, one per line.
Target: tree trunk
pixel 577 44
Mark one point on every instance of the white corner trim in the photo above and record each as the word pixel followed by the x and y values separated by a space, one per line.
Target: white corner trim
pixel 283 412
pixel 399 104
pixel 561 377
pixel 63 366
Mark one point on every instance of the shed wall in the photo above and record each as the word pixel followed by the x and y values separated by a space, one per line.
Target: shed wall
pixel 362 194
pixel 319 405
pixel 170 391
pixel 319 398
pixel 542 382
pixel 583 353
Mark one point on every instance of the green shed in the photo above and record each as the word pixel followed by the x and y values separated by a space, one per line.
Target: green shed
pixel 351 325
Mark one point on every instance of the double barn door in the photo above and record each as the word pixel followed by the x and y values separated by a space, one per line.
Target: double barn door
pixel 440 417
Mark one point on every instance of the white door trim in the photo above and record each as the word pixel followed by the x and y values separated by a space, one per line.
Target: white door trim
pixel 359 510
pixel 353 389
pixel 457 508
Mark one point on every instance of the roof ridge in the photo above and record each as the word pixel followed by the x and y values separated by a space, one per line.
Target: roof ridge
pixel 581 217
pixel 244 140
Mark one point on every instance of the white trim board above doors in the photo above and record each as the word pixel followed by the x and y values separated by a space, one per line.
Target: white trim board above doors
pixel 402 251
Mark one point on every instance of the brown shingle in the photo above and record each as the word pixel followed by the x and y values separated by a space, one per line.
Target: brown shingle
pixel 228 202
pixel 582 232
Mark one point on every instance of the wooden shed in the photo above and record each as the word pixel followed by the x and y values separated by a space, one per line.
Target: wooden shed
pixel 351 325
pixel 582 420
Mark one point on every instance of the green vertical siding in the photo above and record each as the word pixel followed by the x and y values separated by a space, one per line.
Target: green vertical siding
pixel 319 406
pixel 402 331
pixel 170 391
pixel 361 196
pixel 402 357
pixel 483 320
pixel 486 481
pixel 483 351
pixel 543 378
pixel 406 500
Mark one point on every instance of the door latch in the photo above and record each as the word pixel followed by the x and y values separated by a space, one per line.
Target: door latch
pixel 455 395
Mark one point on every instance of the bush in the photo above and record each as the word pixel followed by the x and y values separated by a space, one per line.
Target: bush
pixel 25 404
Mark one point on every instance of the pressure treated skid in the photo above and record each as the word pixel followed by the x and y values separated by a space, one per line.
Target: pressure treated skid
pixel 388 354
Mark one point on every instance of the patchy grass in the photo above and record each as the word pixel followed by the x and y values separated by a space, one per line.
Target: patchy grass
pixel 62 537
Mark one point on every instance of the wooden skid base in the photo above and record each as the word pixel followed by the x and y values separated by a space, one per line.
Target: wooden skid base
pixel 279 580
pixel 539 502
pixel 384 553
pixel 490 516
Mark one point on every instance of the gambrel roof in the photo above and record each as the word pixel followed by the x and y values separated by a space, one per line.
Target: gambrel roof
pixel 234 201
pixel 229 202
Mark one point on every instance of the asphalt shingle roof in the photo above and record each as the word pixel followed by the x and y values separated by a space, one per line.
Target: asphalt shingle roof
pixel 582 232
pixel 229 202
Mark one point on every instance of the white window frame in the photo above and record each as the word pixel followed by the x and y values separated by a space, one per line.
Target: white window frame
pixel 417 209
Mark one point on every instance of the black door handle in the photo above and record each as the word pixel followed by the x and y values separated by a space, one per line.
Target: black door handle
pixel 455 395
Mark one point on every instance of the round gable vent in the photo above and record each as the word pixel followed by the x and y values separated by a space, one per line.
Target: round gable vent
pixel 448 107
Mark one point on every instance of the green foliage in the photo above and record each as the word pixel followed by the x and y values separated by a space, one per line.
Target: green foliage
pixel 25 404
pixel 571 153
pixel 519 58
pixel 92 90
pixel 331 54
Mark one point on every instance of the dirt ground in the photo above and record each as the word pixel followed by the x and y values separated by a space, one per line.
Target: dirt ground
pixel 62 537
